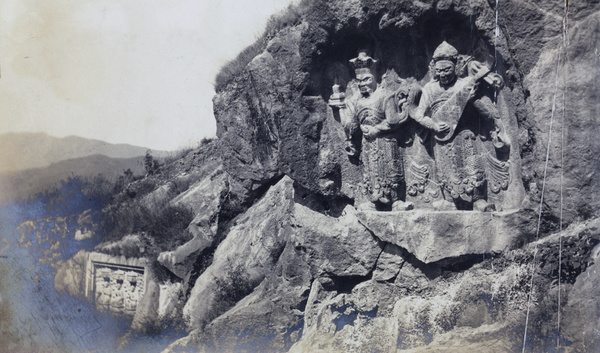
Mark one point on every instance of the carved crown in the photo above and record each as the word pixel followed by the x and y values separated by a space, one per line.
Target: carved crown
pixel 445 51
pixel 363 61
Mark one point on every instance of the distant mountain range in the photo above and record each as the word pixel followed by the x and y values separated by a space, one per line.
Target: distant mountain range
pixel 20 151
pixel 33 162
pixel 25 183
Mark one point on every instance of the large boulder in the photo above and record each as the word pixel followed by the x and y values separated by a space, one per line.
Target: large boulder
pixel 486 307
pixel 338 247
pixel 270 319
pixel 331 247
pixel 246 256
pixel 205 199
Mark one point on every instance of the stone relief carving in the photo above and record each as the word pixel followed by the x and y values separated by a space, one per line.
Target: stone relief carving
pixel 470 130
pixel 462 127
pixel 420 180
pixel 118 291
pixel 375 116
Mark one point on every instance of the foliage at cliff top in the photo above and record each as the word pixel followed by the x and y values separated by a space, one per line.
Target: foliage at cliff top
pixel 288 17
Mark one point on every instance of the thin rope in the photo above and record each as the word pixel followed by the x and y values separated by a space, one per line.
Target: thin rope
pixel 537 236
pixel 562 155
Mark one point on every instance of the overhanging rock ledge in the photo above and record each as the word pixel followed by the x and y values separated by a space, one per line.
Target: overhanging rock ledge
pixel 445 235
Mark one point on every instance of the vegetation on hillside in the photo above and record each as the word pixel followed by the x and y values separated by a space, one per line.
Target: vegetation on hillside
pixel 142 206
pixel 73 195
pixel 129 204
pixel 291 16
pixel 159 229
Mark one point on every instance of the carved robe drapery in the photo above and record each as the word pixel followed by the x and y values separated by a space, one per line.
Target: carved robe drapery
pixel 381 156
pixel 459 153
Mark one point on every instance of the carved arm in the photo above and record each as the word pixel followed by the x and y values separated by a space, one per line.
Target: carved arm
pixel 419 116
pixel 347 114
pixel 372 131
pixel 488 111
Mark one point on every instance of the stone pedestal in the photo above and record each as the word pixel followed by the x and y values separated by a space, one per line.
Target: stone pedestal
pixel 433 236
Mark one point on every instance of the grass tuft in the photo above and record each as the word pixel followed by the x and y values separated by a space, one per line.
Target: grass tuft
pixel 289 17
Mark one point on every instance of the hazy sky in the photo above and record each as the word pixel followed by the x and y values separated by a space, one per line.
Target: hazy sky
pixel 122 71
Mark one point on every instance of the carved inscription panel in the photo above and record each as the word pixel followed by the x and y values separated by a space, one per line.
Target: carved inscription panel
pixel 118 289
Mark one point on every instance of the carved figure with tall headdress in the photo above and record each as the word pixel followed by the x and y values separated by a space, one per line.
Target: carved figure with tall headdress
pixel 371 117
pixel 466 118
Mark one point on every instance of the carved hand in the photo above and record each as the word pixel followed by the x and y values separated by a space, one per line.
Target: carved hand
pixel 350 149
pixel 498 139
pixel 478 70
pixel 337 98
pixel 440 127
pixel 369 131
pixel 473 91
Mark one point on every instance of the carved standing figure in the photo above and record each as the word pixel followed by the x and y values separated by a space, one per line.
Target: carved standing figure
pixel 465 117
pixel 377 115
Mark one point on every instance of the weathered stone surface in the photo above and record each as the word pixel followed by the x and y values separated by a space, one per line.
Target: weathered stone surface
pixel 160 304
pixel 181 260
pixel 268 127
pixel 435 236
pixel 389 263
pixel 180 186
pixel 427 307
pixel 270 319
pixel 169 303
pixel 146 314
pixel 356 322
pixel 70 275
pixel 416 280
pixel 562 67
pixel 246 256
pixel 581 314
pixel 205 198
pixel 483 307
pixel 202 196
pixel 336 247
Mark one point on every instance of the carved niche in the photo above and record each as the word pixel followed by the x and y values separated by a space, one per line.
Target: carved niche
pixel 442 146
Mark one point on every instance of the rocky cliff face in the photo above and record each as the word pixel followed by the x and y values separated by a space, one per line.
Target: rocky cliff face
pixel 280 258
pixel 300 281
pixel 273 117
pixel 333 280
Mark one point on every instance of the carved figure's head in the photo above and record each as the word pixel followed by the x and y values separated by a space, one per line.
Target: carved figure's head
pixel 444 60
pixel 364 68
pixel 445 72
pixel 367 84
